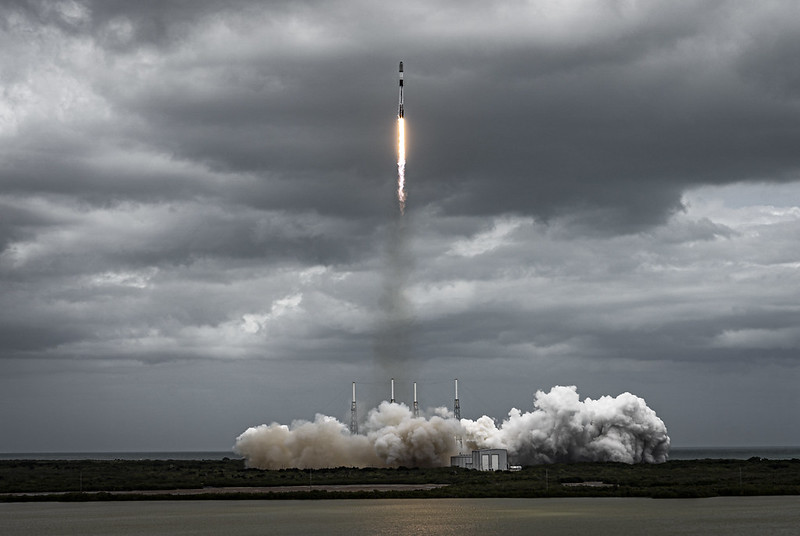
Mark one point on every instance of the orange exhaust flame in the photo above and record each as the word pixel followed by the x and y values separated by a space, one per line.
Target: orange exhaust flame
pixel 401 165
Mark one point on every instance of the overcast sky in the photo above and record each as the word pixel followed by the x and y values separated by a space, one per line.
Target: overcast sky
pixel 198 229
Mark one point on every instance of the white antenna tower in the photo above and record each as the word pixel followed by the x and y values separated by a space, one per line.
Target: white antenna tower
pixel 456 405
pixel 353 414
pixel 457 415
pixel 416 405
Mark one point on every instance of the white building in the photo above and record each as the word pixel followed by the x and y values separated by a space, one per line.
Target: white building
pixel 482 460
pixel 462 460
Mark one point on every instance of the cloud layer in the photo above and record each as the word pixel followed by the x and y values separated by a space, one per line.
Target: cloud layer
pixel 600 193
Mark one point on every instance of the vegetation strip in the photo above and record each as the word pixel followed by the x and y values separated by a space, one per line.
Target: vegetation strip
pixel 82 480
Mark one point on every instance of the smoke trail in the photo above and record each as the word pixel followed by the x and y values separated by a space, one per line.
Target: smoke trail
pixel 401 164
pixel 560 428
pixel 395 323
pixel 392 343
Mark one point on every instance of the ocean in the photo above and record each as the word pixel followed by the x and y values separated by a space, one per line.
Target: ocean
pixel 734 453
pixel 171 455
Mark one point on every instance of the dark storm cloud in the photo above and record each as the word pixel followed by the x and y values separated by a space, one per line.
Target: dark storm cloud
pixel 617 125
pixel 611 114
pixel 622 141
pixel 19 223
pixel 23 337
pixel 652 296
pixel 149 21
pixel 138 236
pixel 206 184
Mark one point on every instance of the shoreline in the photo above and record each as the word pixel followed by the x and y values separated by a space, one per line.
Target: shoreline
pixel 120 480
pixel 344 488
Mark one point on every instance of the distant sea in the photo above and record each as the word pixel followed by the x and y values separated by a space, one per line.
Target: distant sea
pixel 733 453
pixel 675 453
pixel 207 455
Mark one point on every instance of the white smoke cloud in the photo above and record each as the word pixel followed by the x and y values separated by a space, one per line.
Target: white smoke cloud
pixel 560 428
pixel 399 438
pixel 325 442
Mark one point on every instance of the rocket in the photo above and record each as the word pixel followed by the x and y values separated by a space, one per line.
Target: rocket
pixel 400 105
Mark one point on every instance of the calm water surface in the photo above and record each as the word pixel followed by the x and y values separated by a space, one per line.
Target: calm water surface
pixel 459 517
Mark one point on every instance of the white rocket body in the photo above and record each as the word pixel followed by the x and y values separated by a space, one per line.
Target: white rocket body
pixel 400 104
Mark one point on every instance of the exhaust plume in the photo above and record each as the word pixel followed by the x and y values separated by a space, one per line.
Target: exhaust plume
pixel 393 437
pixel 561 428
pixel 393 333
pixel 401 164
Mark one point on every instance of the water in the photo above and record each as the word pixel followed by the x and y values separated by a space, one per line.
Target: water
pixel 736 453
pixel 206 455
pixel 676 453
pixel 730 516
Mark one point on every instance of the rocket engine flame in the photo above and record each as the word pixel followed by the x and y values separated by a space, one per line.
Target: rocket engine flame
pixel 401 164
pixel 561 428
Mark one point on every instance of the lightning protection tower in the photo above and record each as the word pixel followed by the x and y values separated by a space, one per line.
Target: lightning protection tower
pixel 416 405
pixel 353 413
pixel 456 404
pixel 457 415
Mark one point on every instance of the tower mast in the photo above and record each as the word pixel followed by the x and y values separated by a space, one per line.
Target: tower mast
pixel 457 415
pixel 416 405
pixel 353 413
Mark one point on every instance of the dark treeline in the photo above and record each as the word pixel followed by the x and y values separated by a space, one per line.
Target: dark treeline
pixel 99 479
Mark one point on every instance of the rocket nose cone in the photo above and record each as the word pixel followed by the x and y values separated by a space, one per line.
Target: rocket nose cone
pixel 401 66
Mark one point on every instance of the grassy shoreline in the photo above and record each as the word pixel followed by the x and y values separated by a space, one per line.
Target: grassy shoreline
pixel 124 480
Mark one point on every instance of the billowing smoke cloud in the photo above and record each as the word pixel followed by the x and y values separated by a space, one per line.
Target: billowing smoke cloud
pixel 563 429
pixel 560 428
pixel 393 438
